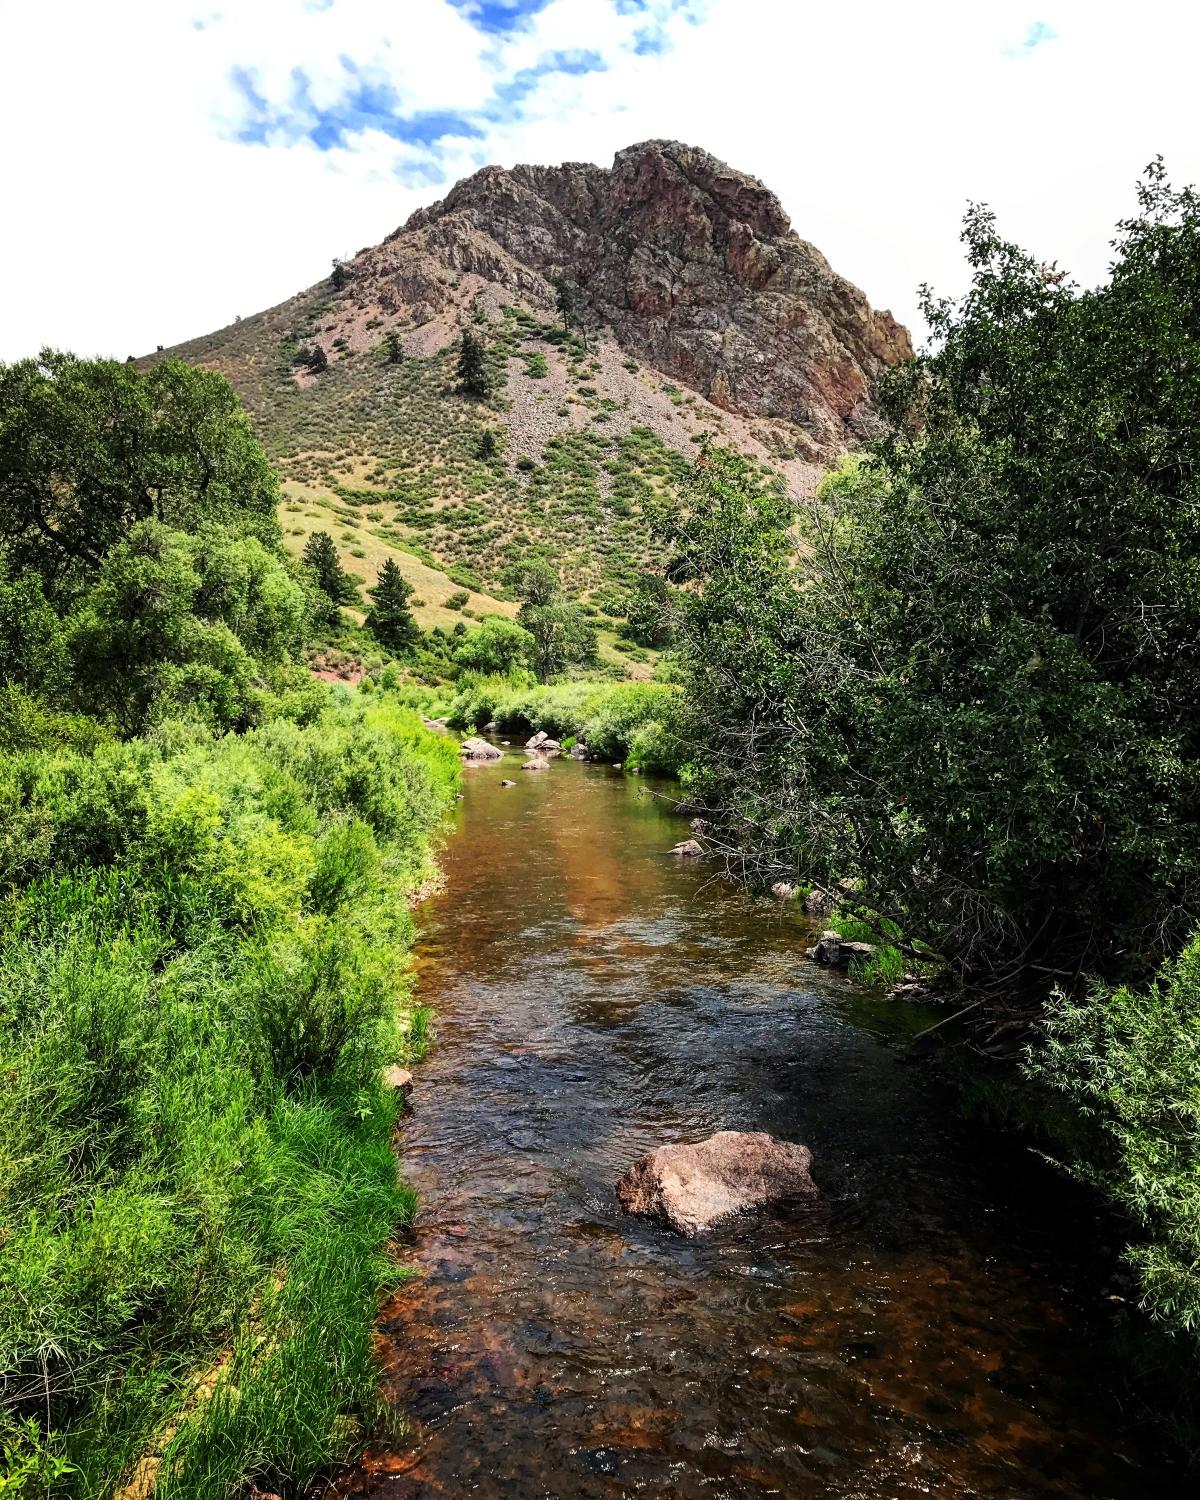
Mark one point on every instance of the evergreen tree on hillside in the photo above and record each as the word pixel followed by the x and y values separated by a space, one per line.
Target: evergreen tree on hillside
pixel 390 619
pixel 474 378
pixel 321 556
pixel 392 347
pixel 489 445
pixel 318 360
pixel 339 276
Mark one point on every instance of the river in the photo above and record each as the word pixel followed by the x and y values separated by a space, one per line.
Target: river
pixel 937 1326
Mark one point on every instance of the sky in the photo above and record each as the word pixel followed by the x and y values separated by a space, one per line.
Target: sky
pixel 168 165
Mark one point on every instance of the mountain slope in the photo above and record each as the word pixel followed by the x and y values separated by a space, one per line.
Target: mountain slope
pixel 700 313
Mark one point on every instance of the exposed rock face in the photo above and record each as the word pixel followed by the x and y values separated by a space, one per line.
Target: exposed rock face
pixel 693 266
pixel 695 1186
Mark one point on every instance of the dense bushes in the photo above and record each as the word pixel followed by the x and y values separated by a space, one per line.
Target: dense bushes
pixel 633 722
pixel 978 692
pixel 202 974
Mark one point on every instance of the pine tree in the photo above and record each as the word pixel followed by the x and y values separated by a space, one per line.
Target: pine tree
pixel 318 360
pixel 390 619
pixel 473 376
pixel 489 445
pixel 320 554
pixel 338 276
pixel 392 347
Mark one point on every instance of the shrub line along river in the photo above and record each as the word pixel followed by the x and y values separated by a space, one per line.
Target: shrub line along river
pixel 934 1327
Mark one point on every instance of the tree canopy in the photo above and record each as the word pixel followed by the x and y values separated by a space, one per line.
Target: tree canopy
pixel 90 448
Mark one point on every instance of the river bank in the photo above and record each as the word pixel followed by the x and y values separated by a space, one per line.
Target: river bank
pixel 935 1326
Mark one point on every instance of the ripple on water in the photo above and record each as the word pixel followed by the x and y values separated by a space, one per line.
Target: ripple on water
pixel 927 1329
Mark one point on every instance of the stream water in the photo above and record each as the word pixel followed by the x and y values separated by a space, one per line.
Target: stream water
pixel 936 1327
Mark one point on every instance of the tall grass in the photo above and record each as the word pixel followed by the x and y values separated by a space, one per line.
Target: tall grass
pixel 202 974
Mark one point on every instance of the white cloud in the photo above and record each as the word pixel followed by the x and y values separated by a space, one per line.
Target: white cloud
pixel 134 216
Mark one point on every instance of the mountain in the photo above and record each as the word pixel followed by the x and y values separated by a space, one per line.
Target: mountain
pixel 699 312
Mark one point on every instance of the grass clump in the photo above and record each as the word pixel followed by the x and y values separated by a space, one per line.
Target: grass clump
pixel 202 974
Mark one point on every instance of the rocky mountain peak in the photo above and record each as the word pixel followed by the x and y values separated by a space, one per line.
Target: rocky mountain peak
pixel 694 268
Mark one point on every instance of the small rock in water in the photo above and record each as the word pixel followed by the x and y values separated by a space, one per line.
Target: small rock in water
pixel 694 1186
pixel 836 954
pixel 783 890
pixel 689 849
pixel 536 765
pixel 398 1078
pixel 508 783
pixel 477 749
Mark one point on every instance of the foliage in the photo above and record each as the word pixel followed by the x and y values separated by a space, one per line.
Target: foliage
pixel 648 612
pixel 495 647
pixel 978 691
pixel 202 972
pixel 390 619
pixel 561 634
pixel 633 722
pixel 392 347
pixel 320 556
pixel 90 448
pixel 474 378
pixel 1128 1062
pixel 318 360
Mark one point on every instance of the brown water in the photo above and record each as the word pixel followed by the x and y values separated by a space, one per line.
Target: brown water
pixel 933 1329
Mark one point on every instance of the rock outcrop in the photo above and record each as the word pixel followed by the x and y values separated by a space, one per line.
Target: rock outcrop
pixel 695 1186
pixel 692 265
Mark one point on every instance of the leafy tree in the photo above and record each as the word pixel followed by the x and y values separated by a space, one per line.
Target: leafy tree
pixel 320 555
pixel 392 347
pixel 648 612
pixel 561 633
pixel 474 378
pixel 318 360
pixel 980 695
pixel 495 647
pixel 89 448
pixel 390 620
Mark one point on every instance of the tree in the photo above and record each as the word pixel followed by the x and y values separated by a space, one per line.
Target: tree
pixel 392 347
pixel 648 612
pixel 561 633
pixel 320 555
pixel 495 647
pixel 489 445
pixel 474 378
pixel 339 275
pixel 569 302
pixel 318 360
pixel 390 619
pixel 89 448
pixel 980 694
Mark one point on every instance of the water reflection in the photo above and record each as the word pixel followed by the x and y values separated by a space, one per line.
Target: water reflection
pixel 919 1333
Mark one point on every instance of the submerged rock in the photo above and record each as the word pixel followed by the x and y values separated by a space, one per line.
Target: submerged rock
pixel 477 749
pixel 689 849
pixel 695 1186
pixel 508 783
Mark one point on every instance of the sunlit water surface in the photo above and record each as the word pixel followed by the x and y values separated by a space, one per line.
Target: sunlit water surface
pixel 936 1327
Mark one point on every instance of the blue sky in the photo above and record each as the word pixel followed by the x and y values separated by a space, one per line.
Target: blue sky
pixel 183 161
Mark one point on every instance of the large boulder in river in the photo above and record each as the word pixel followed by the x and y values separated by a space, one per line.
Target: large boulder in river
pixel 695 1186
pixel 477 749
pixel 535 740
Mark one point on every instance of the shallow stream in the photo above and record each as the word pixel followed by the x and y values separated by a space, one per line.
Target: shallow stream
pixel 936 1327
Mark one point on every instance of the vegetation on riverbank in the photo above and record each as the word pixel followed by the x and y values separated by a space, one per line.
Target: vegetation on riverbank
pixel 975 688
pixel 631 722
pixel 205 860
